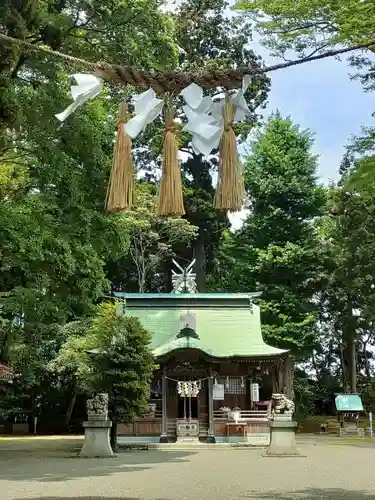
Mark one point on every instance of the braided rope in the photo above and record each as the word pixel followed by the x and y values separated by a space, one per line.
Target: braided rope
pixel 175 81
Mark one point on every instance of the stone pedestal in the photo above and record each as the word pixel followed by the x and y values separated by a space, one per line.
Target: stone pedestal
pixel 163 438
pixel 351 429
pixel 187 431
pixel 283 438
pixel 97 439
pixel 211 438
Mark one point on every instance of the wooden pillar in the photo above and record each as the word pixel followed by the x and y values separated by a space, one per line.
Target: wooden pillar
pixel 280 377
pixel 211 428
pixel 289 377
pixel 274 374
pixel 249 381
pixel 164 393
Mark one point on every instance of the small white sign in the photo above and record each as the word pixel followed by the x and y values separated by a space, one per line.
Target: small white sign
pixel 218 392
pixel 254 391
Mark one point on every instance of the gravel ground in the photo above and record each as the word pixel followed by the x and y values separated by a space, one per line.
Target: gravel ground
pixel 45 469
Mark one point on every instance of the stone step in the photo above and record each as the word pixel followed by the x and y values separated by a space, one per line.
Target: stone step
pixel 200 446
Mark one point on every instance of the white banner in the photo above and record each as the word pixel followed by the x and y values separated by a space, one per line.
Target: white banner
pixel 218 392
pixel 254 391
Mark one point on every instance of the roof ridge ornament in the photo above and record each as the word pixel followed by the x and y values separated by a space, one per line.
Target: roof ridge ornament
pixel 187 332
pixel 184 280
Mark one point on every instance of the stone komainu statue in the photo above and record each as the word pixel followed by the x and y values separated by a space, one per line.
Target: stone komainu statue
pixel 97 407
pixel 281 405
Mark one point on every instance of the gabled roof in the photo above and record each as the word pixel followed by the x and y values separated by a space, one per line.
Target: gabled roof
pixel 228 325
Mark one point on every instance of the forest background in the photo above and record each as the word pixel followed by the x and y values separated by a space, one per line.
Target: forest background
pixel 308 247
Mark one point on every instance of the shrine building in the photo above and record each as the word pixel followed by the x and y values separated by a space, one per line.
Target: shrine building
pixel 215 373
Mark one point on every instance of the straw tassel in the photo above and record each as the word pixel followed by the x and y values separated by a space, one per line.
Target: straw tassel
pixel 121 181
pixel 170 201
pixel 230 191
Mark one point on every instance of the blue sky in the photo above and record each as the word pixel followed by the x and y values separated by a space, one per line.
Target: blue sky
pixel 320 96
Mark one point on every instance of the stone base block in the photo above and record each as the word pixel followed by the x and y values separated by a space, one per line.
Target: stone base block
pixel 163 438
pixel 187 439
pixel 283 439
pixel 97 440
pixel 351 430
pixel 258 439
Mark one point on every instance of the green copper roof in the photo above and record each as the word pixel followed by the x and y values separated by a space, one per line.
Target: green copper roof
pixel 228 325
pixel 348 402
pixel 183 343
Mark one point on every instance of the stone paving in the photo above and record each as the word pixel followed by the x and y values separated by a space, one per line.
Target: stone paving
pixel 45 469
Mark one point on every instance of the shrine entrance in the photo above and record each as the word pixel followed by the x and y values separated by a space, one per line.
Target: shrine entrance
pixel 187 408
pixel 213 367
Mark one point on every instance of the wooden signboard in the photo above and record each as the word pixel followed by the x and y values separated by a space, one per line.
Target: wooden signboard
pixel 218 392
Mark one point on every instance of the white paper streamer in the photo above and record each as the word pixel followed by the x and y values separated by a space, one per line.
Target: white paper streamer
pixel 205 117
pixel 193 96
pixel 89 86
pixel 238 100
pixel 147 107
pixel 188 389
pixel 205 130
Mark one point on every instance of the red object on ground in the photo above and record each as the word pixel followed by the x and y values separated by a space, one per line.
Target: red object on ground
pixel 262 403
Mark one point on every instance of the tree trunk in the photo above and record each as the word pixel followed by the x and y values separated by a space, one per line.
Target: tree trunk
pixel 314 364
pixel 168 286
pixel 289 378
pixel 350 349
pixel 366 363
pixel 350 366
pixel 344 371
pixel 353 360
pixel 69 411
pixel 274 375
pixel 141 281
pixel 280 377
pixel 330 358
pixel 200 264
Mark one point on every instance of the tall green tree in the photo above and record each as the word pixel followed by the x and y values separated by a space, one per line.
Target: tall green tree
pixel 278 243
pixel 111 354
pixel 284 199
pixel 276 250
pixel 360 174
pixel 347 240
pixel 136 31
pixel 55 237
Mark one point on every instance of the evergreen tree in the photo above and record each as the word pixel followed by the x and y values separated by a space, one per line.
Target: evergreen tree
pixel 276 249
pixel 123 368
pixel 110 354
pixel 277 246
pixel 284 199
